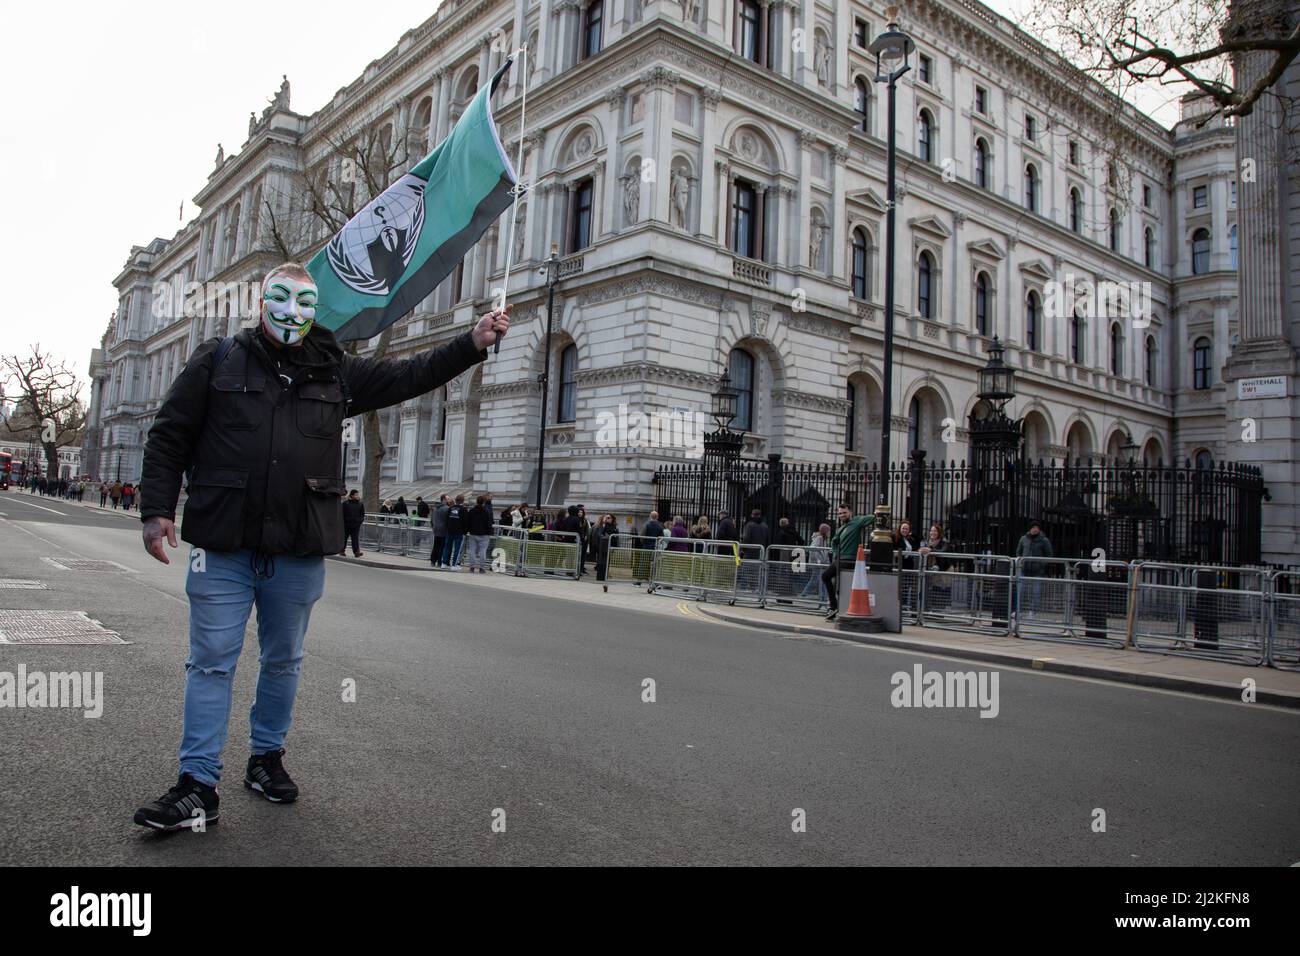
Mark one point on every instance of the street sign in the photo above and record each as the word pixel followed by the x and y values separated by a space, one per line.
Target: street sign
pixel 1269 386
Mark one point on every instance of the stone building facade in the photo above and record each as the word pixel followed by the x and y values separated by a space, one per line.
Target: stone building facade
pixel 711 174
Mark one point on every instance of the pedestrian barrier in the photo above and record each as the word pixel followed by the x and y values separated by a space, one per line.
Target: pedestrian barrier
pixel 550 554
pixel 1202 611
pixel 965 592
pixel 706 567
pixel 794 578
pixel 909 586
pixel 1074 600
pixel 506 549
pixel 629 559
pixel 1284 624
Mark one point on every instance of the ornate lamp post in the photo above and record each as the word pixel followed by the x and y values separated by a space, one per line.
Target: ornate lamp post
pixel 995 442
pixel 1128 451
pixel 551 266
pixel 892 49
pixel 721 447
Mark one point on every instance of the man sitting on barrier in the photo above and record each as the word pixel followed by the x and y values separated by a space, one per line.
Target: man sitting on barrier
pixel 844 551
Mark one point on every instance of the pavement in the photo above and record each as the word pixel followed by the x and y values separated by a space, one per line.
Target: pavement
pixel 492 720
pixel 1129 666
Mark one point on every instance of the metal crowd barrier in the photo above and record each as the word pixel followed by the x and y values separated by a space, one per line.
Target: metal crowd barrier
pixel 506 549
pixel 704 567
pixel 550 554
pixel 965 592
pixel 1073 600
pixel 1202 611
pixel 629 559
pixel 794 577
pixel 1284 622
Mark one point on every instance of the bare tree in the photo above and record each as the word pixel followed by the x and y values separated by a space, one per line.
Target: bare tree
pixel 1187 44
pixel 48 409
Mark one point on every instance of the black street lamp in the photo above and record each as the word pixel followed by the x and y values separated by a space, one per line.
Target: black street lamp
pixel 1128 450
pixel 997 378
pixel 724 443
pixel 892 49
pixel 551 266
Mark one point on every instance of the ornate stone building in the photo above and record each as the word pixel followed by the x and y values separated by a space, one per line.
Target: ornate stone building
pixel 712 174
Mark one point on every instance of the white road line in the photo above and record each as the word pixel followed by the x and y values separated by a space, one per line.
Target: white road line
pixel 42 507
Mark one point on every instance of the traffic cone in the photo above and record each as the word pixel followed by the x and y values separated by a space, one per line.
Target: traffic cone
pixel 861 615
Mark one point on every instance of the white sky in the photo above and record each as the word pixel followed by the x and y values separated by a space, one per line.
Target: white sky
pixel 112 116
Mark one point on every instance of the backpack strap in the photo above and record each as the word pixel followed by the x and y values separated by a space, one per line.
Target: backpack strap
pixel 222 351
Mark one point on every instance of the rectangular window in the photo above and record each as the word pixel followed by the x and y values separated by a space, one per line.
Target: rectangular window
pixel 1233 192
pixel 1200 197
pixel 749 14
pixel 1073 152
pixel 861 34
pixel 744 220
pixel 580 234
pixel 1031 128
pixel 981 100
pixel 1146 196
pixel 925 68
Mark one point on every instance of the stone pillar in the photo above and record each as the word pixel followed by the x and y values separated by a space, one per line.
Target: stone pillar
pixel 957 278
pixel 708 178
pixel 616 98
pixel 446 79
pixel 839 214
pixel 760 213
pixel 660 85
pixel 723 175
pixel 1219 254
pixel 807 141
pixel 544 55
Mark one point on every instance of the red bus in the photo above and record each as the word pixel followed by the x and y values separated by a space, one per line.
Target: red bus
pixel 6 470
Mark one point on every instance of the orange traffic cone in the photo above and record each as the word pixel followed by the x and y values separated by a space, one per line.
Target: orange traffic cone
pixel 861 615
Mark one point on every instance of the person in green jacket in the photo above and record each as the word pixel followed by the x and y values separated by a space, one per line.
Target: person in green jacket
pixel 844 550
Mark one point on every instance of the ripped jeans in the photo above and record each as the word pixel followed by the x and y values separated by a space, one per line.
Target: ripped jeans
pixel 223 587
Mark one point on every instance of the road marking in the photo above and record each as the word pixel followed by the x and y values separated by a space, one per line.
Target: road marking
pixel 42 507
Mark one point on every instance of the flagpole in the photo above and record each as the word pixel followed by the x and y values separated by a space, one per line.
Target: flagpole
pixel 520 187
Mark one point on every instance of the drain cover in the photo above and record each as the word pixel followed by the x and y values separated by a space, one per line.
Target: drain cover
pixel 21 585
pixel 53 627
pixel 88 564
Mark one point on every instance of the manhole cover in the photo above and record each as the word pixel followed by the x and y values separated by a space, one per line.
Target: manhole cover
pixel 88 564
pixel 53 627
pixel 19 585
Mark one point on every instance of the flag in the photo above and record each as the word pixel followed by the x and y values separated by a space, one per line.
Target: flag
pixel 396 250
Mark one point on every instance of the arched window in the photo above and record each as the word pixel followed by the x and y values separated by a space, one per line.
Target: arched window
pixel 740 368
pixel 862 104
pixel 1076 211
pixel 861 282
pixel 982 304
pixel 1200 252
pixel 849 425
pixel 1149 248
pixel 1031 187
pixel 925 144
pixel 1201 364
pixel 1232 246
pixel 1116 350
pixel 1031 321
pixel 567 409
pixel 592 28
pixel 1076 339
pixel 1204 460
pixel 1114 230
pixel 924 286
pixel 982 176
pixel 1149 362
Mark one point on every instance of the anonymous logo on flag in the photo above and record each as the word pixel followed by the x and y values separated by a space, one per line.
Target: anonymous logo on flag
pixel 375 247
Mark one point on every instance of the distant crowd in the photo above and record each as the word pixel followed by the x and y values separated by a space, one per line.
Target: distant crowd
pixel 119 494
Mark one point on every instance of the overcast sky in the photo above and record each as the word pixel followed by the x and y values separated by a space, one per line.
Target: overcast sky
pixel 113 112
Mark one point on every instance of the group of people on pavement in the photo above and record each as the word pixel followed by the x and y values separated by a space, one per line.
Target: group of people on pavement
pixel 119 494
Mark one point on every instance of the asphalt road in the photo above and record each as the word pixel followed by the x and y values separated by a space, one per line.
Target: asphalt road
pixel 474 700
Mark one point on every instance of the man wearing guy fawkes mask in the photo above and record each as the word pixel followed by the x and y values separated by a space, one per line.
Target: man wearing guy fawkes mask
pixel 255 421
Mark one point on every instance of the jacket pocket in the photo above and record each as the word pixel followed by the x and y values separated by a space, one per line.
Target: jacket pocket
pixel 319 410
pixel 214 511
pixel 324 519
pixel 238 402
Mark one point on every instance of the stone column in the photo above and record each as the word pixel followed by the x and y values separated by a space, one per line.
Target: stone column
pixel 959 277
pixel 807 141
pixel 723 175
pixel 544 55
pixel 708 178
pixel 760 214
pixel 1219 255
pixel 838 213
pixel 616 98
pixel 660 85
pixel 446 79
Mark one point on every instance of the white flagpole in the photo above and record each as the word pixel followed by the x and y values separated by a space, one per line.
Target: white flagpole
pixel 520 188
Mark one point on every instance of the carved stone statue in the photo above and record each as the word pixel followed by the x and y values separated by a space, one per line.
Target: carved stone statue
pixel 690 8
pixel 680 190
pixel 822 60
pixel 816 234
pixel 520 220
pixel 252 123
pixel 632 198
pixel 221 154
pixel 281 101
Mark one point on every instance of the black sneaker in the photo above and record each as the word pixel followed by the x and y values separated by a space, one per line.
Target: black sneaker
pixel 831 616
pixel 181 807
pixel 266 775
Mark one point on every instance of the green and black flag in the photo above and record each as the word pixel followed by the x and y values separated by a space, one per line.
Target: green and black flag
pixel 396 250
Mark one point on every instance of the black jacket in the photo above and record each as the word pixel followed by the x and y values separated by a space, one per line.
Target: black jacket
pixel 756 532
pixel 263 457
pixel 479 521
pixel 726 530
pixel 354 513
pixel 456 520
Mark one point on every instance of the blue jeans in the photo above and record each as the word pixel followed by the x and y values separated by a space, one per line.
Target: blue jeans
pixel 221 597
pixel 451 549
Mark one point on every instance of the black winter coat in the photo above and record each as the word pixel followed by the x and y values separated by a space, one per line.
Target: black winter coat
pixel 263 457
pixel 479 521
pixel 354 514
